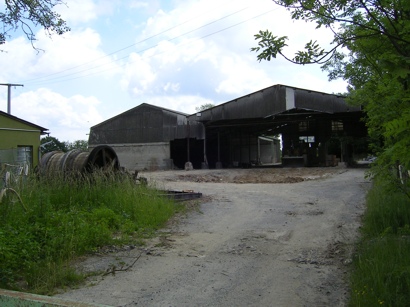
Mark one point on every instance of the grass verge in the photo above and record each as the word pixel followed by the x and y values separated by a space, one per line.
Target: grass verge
pixel 381 267
pixel 66 217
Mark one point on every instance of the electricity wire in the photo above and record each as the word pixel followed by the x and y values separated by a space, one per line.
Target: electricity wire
pixel 56 80
pixel 139 42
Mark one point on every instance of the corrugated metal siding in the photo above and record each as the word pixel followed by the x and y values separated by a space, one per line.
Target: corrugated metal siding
pixel 273 100
pixel 260 104
pixel 321 102
pixel 143 124
pixel 173 126
pixel 256 105
pixel 150 124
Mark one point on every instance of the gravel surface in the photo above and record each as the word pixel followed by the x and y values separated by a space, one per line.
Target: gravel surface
pixel 260 237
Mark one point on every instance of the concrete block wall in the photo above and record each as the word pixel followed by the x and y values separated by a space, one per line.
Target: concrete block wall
pixel 144 156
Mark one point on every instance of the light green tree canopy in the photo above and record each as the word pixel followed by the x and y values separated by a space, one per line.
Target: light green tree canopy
pixel 50 143
pixel 351 22
pixel 26 15
pixel 371 51
pixel 204 107
pixel 78 144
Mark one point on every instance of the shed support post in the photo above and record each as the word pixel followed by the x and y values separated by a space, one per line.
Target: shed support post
pixel 219 163
pixel 205 163
pixel 259 152
pixel 188 164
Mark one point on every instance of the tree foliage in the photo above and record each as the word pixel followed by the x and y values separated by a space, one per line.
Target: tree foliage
pixel 50 143
pixel 29 14
pixel 371 51
pixel 78 144
pixel 204 107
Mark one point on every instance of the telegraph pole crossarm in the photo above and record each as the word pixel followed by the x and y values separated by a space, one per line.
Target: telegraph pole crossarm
pixel 9 85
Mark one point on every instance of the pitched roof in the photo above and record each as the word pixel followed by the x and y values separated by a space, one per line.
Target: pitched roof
pixel 42 129
pixel 138 107
pixel 273 100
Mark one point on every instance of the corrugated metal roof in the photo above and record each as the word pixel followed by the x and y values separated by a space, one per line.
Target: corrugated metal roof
pixel 142 105
pixel 272 101
pixel 143 124
pixel 268 108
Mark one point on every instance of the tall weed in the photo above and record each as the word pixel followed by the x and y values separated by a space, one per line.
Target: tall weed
pixel 381 268
pixel 68 216
pixel 387 212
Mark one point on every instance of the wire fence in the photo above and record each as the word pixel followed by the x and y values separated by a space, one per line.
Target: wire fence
pixel 14 165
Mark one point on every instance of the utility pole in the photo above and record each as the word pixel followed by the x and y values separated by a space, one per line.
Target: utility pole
pixel 9 85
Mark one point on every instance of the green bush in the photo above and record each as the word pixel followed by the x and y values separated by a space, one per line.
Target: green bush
pixel 67 217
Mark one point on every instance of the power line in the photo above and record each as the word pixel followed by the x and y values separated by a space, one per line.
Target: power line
pixel 141 41
pixel 55 80
pixel 95 67
pixel 9 85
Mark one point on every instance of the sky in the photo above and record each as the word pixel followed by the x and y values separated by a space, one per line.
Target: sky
pixel 175 54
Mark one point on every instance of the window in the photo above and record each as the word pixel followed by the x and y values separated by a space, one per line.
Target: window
pixel 307 139
pixel 337 125
pixel 303 126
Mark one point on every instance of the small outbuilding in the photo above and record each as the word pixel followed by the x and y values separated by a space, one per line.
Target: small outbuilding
pixel 278 125
pixel 20 140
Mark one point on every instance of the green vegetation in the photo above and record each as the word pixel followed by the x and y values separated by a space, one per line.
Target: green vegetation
pixel 28 15
pixel 50 143
pixel 204 107
pixel 370 49
pixel 68 217
pixel 381 268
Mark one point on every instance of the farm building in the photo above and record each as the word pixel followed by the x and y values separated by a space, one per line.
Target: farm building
pixel 278 125
pixel 20 140
pixel 143 137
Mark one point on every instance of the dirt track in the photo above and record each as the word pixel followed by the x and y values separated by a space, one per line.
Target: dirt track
pixel 250 244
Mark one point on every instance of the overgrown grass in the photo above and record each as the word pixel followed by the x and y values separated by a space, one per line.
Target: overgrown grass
pixel 381 268
pixel 68 217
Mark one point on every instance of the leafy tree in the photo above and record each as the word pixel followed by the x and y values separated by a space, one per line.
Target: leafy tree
pixel 371 51
pixel 204 107
pixel 50 143
pixel 28 14
pixel 78 144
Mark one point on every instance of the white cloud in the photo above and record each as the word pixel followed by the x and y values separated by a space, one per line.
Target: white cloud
pixel 138 4
pixel 178 67
pixel 138 76
pixel 173 87
pixel 218 66
pixel 182 103
pixel 241 77
pixel 78 11
pixel 60 55
pixel 67 118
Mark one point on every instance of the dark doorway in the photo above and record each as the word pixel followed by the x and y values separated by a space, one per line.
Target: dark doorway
pixel 179 152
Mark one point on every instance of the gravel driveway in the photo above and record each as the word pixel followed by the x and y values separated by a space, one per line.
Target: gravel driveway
pixel 249 244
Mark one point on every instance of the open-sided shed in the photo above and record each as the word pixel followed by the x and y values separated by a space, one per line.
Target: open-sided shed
pixel 316 129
